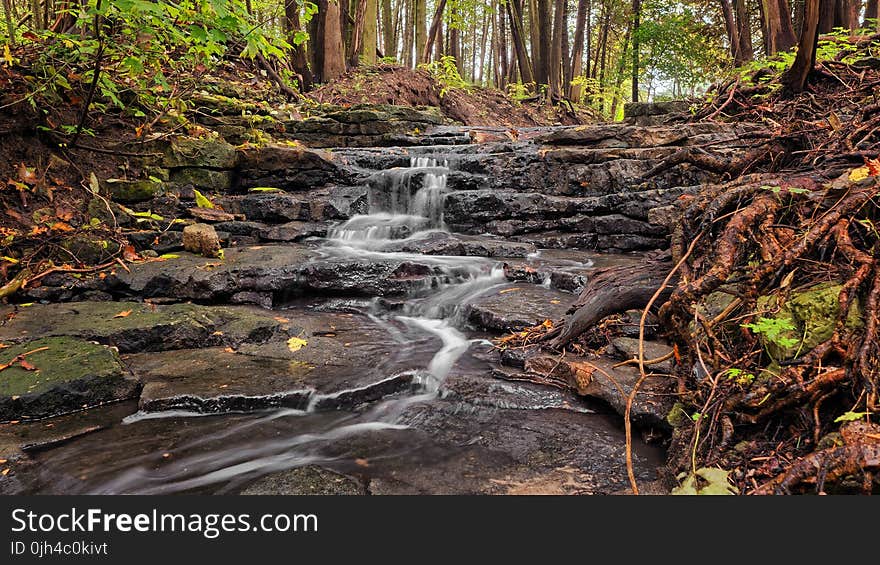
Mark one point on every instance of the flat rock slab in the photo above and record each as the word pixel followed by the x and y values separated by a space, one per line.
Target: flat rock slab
pixel 63 374
pixel 192 277
pixel 136 327
pixel 308 480
pixel 443 243
pixel 516 306
pixel 346 361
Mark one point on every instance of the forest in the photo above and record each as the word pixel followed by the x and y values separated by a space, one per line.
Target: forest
pixel 439 247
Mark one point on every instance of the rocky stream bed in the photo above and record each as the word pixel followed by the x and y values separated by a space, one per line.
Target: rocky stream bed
pixel 342 344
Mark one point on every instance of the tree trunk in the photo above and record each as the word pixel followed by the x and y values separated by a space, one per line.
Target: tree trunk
pixel 421 17
pixel 621 74
pixel 743 30
pixel 370 35
pixel 298 57
pixel 545 24
pixel 434 34
pixel 566 53
pixel 10 21
pixel 409 18
pixel 796 77
pixel 732 32
pixel 555 56
pixel 516 31
pixel 637 9
pixel 778 33
pixel 329 41
pixel 871 13
pixel 389 39
pixel 577 57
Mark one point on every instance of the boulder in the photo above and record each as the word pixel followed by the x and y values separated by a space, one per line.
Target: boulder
pixel 201 239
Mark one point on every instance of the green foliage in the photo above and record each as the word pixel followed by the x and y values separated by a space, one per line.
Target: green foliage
pixel 851 416
pixel 740 377
pixel 445 71
pixel 772 330
pixel 202 201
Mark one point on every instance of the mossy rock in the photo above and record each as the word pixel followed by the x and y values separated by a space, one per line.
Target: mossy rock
pixel 813 313
pixel 204 179
pixel 70 374
pixel 211 153
pixel 109 215
pixel 129 191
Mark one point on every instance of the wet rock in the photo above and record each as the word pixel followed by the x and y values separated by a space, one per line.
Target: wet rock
pixel 191 277
pixel 337 365
pixel 330 204
pixel 245 228
pixel 69 374
pixel 293 231
pixel 517 306
pixel 209 153
pixel 308 480
pixel 201 239
pixel 360 277
pixel 160 242
pixel 211 215
pixel 87 250
pixel 135 327
pixel 205 180
pixel 288 167
pixel 109 213
pixel 628 348
pixel 262 299
pixel 128 191
pixel 443 243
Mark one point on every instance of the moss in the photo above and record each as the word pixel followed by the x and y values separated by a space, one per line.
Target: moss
pixel 65 359
pixel 200 152
pixel 132 190
pixel 203 179
pixel 678 415
pixel 813 312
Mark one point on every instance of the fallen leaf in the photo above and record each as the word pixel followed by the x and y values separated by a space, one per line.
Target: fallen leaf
pixel 506 290
pixel 281 320
pixel 360 462
pixel 218 332
pixel 554 301
pixel 166 455
pixel 61 226
pixel 4 346
pixel 294 344
pixel 26 366
pixel 229 350
pixel 5 472
pixel 129 254
pixel 123 314
pixel 2 461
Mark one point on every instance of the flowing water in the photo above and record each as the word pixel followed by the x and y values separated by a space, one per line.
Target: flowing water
pixel 401 435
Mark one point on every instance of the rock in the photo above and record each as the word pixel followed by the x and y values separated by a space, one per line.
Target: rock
pixel 665 216
pixel 365 277
pixel 263 299
pixel 628 348
pixel 211 215
pixel 143 327
pixel 206 180
pixel 209 153
pixel 329 204
pixel 87 250
pixel 308 480
pixel 201 239
pixel 244 228
pixel 160 242
pixel 323 372
pixel 293 231
pixel 108 213
pixel 288 167
pixel 129 191
pixel 70 374
pixel 517 306
pixel 271 269
pixel 443 243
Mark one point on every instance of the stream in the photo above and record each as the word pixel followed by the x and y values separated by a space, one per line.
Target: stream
pixel 456 429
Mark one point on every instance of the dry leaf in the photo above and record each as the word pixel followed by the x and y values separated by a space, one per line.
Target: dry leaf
pixel 123 314
pixel 5 472
pixel 506 290
pixel 218 332
pixel 360 462
pixel 281 320
pixel 229 350
pixel 26 366
pixel 129 254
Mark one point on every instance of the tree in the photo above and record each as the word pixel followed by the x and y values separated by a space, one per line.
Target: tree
pixel 637 11
pixel 577 57
pixel 795 78
pixel 370 36
pixel 329 48
pixel 778 32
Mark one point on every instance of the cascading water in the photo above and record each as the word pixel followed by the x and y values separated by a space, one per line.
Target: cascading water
pixel 405 204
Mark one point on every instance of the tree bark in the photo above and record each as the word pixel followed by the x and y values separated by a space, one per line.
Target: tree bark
pixel 421 17
pixel 329 41
pixel 298 57
pixel 545 22
pixel 732 32
pixel 434 32
pixel 555 55
pixel 525 68
pixel 871 13
pixel 778 32
pixel 637 9
pixel 370 35
pixel 796 78
pixel 743 30
pixel 577 57
pixel 389 38
pixel 10 21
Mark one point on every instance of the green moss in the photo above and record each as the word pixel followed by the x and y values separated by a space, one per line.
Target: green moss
pixel 678 415
pixel 813 312
pixel 132 190
pixel 204 179
pixel 65 359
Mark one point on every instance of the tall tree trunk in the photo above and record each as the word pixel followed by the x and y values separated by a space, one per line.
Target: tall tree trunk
pixel 370 37
pixel 408 32
pixel 389 43
pixel 485 34
pixel 298 57
pixel 778 32
pixel 329 41
pixel 743 30
pixel 516 31
pixel 554 60
pixel 434 33
pixel 421 16
pixel 637 14
pixel 453 47
pixel 545 24
pixel 621 73
pixel 577 57
pixel 566 53
pixel 10 21
pixel 732 32
pixel 796 78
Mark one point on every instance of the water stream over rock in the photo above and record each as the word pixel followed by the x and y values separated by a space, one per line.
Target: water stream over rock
pixel 394 392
